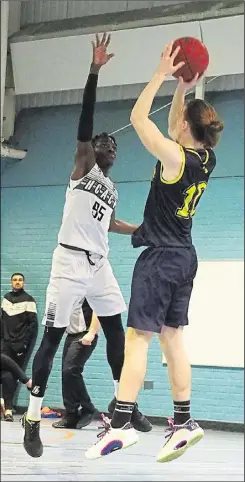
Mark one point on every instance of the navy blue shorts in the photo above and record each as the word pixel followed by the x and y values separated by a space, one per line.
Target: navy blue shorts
pixel 161 288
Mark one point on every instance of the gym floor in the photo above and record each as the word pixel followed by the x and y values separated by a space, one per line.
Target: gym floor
pixel 218 457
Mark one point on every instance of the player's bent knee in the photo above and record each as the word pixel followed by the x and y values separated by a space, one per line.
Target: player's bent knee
pixel 133 335
pixel 50 342
pixel 169 333
pixel 136 340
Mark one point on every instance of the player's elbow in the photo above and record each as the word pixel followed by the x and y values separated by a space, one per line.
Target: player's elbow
pixel 134 118
pixel 139 125
pixel 137 119
pixel 115 227
pixel 111 227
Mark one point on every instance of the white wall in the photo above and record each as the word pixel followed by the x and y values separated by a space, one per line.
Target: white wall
pixel 215 336
pixel 62 63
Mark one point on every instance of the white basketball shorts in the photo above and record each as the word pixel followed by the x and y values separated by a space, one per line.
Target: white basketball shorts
pixel 72 279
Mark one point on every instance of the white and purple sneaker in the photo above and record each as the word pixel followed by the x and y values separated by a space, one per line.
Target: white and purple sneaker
pixel 112 439
pixel 179 439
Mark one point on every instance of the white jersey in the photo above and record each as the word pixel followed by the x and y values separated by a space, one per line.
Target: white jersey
pixel 87 213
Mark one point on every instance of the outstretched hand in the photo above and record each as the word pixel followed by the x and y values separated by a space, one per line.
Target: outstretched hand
pixel 100 54
pixel 168 57
pixel 189 85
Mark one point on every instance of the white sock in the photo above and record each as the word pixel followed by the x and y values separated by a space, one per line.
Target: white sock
pixel 34 409
pixel 116 385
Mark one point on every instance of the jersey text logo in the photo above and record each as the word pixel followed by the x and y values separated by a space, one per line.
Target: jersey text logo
pixel 99 189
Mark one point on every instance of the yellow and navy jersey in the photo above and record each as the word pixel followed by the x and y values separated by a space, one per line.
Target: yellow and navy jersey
pixel 171 205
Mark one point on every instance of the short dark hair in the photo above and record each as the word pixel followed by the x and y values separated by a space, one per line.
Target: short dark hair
pixel 18 274
pixel 204 122
pixel 103 135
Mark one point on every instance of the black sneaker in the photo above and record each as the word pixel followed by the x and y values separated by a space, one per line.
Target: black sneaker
pixel 32 442
pixel 85 419
pixel 9 417
pixel 67 421
pixel 112 406
pixel 138 420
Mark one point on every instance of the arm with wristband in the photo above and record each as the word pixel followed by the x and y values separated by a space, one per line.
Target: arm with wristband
pixel 84 157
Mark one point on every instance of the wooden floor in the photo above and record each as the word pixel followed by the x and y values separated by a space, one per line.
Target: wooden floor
pixel 218 457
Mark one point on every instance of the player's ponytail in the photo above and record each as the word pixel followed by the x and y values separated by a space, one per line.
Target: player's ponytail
pixel 204 122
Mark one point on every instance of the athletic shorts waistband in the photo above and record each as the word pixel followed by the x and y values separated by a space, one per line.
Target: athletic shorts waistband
pixel 75 248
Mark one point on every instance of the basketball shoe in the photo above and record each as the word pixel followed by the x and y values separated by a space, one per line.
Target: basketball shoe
pixel 179 439
pixel 32 442
pixel 112 439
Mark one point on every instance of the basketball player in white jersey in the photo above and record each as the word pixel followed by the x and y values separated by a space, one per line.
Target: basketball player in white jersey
pixel 80 267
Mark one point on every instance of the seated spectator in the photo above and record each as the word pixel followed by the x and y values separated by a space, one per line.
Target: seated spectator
pixel 19 326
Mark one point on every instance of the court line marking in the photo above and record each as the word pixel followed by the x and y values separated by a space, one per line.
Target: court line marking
pixel 67 436
pixel 162 107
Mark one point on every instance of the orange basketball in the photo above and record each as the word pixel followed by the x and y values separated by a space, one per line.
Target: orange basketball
pixel 195 55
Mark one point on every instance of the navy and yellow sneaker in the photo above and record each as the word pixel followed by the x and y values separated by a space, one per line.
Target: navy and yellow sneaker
pixel 179 439
pixel 32 442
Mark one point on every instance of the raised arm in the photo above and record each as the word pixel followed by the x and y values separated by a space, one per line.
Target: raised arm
pixel 84 157
pixel 120 227
pixel 177 105
pixel 167 151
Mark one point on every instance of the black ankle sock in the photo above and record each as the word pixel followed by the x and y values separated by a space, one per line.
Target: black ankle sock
pixel 122 414
pixel 181 412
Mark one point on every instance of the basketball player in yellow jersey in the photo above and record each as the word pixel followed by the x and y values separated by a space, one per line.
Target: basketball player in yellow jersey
pixel 164 272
